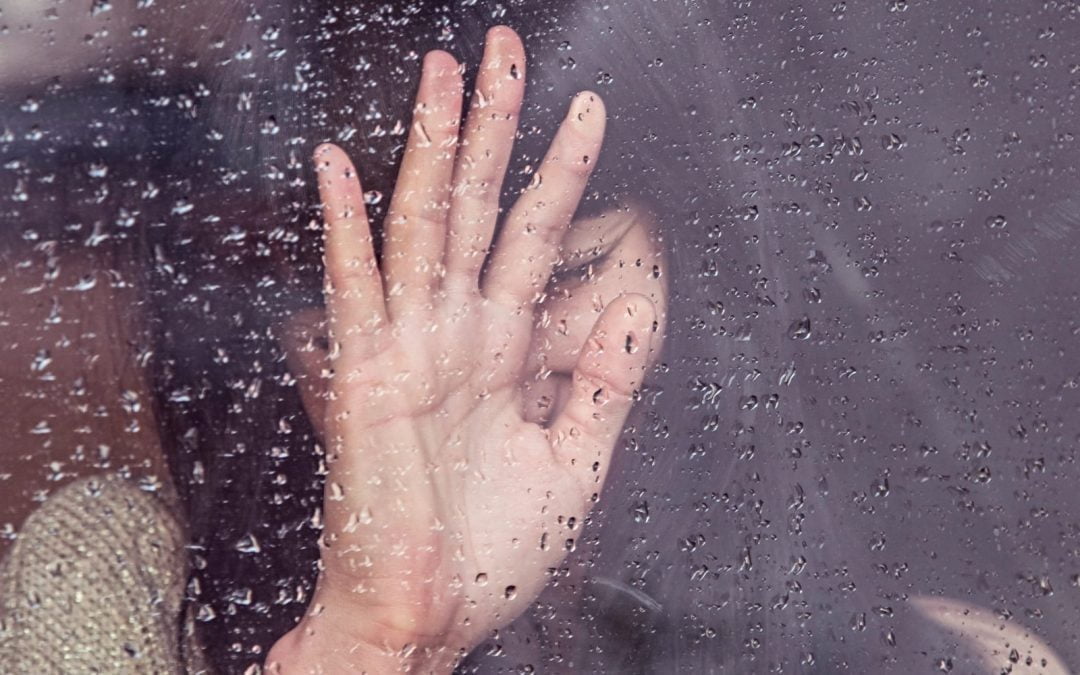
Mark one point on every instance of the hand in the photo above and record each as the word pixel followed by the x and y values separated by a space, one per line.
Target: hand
pixel 445 505
pixel 601 258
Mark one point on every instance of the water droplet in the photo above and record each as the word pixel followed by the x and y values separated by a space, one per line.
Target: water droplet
pixel 893 142
pixel 248 544
pixel 800 329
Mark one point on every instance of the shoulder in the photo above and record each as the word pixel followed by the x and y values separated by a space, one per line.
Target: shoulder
pixel 100 524
pixel 95 579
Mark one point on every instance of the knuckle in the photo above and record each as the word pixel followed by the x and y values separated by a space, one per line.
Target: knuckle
pixel 352 273
pixel 576 163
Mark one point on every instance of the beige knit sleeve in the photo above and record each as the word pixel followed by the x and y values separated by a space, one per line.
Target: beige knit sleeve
pixel 94 584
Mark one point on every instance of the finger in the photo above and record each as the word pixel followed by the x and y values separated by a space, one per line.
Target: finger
pixel 608 375
pixel 304 340
pixel 529 244
pixel 354 290
pixel 484 156
pixel 415 229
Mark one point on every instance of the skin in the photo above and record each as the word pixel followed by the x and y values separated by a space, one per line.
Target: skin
pixel 473 393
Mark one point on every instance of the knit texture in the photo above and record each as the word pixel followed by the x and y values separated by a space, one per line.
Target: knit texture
pixel 95 584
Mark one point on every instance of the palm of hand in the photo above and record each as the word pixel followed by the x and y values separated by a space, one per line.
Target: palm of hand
pixel 448 504
pixel 444 503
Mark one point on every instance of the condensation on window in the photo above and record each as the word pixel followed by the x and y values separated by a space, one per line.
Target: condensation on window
pixel 856 451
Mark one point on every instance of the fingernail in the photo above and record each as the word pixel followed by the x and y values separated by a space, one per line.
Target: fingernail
pixel 438 62
pixel 499 55
pixel 585 107
pixel 500 32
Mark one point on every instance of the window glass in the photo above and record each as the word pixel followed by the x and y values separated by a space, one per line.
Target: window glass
pixel 855 451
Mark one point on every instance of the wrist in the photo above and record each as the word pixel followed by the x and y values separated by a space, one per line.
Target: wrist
pixel 334 639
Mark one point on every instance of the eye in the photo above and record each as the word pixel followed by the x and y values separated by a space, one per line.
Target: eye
pixel 581 267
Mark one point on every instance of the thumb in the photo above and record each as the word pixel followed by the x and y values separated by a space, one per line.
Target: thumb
pixel 606 380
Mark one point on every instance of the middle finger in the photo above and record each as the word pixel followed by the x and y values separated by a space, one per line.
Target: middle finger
pixel 415 229
pixel 484 156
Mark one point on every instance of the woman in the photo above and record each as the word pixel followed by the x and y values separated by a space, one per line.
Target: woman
pixel 428 519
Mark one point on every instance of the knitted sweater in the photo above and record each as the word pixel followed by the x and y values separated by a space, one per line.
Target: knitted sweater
pixel 95 584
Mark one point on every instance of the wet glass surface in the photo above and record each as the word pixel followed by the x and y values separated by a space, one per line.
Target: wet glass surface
pixel 864 418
